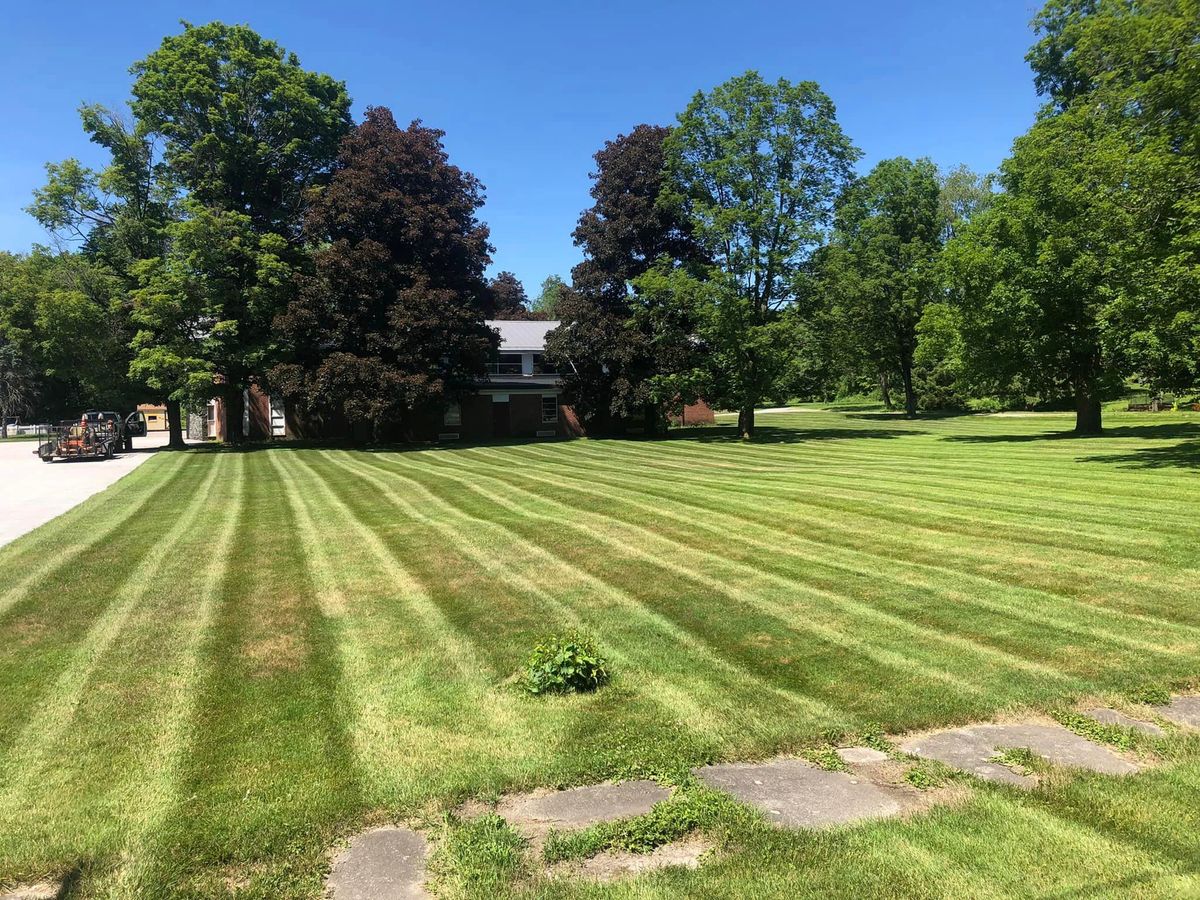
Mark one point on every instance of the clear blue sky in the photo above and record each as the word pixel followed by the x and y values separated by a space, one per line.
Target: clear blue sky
pixel 528 91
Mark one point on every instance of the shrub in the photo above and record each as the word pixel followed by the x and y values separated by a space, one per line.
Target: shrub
pixel 565 664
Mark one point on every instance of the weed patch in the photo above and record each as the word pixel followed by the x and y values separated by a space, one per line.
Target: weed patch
pixel 566 664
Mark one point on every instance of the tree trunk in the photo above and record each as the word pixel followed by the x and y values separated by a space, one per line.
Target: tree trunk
pixel 1087 408
pixel 885 390
pixel 910 396
pixel 235 408
pixel 746 422
pixel 175 425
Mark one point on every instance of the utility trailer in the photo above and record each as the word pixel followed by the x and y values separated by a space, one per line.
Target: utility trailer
pixel 95 435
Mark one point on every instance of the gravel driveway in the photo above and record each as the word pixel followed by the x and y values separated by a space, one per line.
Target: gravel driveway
pixel 33 492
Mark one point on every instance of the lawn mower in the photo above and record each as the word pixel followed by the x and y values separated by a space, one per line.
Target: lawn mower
pixel 95 435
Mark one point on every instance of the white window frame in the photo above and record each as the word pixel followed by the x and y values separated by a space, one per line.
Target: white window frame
pixel 552 419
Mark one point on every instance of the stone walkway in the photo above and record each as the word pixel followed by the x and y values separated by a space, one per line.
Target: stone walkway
pixel 581 806
pixel 389 863
pixel 796 794
pixel 973 749
pixel 1181 711
pixel 381 864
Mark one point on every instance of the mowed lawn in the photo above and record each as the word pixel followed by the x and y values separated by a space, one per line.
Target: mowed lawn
pixel 215 670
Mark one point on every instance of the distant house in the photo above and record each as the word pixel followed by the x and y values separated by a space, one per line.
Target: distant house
pixel 520 396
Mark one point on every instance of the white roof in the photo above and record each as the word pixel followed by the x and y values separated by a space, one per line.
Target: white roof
pixel 521 335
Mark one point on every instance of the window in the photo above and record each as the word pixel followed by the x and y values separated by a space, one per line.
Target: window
pixel 541 366
pixel 453 415
pixel 505 364
pixel 549 408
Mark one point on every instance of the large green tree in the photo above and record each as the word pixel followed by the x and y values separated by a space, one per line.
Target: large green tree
pixel 63 321
pixel 118 216
pixel 247 132
pixel 1086 269
pixel 1133 69
pixel 757 167
pixel 609 350
pixel 883 262
pixel 391 322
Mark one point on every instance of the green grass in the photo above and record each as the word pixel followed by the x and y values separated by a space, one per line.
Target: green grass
pixel 229 661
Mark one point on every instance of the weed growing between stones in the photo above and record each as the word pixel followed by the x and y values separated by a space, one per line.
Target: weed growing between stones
pixel 1115 735
pixel 692 807
pixel 1021 760
pixel 479 857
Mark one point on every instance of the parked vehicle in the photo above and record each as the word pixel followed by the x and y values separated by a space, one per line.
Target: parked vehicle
pixel 96 435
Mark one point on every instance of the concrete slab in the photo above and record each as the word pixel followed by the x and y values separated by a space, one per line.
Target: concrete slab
pixel 862 755
pixel 582 806
pixel 43 890
pixel 1181 711
pixel 35 492
pixel 1106 716
pixel 381 864
pixel 794 794
pixel 971 749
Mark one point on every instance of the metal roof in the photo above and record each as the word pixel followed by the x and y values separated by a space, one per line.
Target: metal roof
pixel 522 335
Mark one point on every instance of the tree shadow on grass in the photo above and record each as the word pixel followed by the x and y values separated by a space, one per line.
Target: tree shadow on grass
pixel 1145 432
pixel 1177 456
pixel 767 434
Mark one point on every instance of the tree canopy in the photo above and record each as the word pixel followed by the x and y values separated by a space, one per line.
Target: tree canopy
pixel 391 320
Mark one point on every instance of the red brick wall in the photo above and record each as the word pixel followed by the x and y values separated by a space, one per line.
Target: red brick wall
pixel 698 413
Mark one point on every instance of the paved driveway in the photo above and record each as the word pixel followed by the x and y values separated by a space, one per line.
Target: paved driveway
pixel 33 492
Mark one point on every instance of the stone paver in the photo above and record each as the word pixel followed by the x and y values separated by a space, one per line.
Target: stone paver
pixel 583 806
pixel 861 755
pixel 1107 716
pixel 35 492
pixel 795 794
pixel 381 864
pixel 1181 711
pixel 43 890
pixel 972 749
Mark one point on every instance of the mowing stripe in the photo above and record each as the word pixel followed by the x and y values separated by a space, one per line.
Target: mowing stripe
pixel 855 608
pixel 375 735
pixel 158 792
pixel 675 698
pixel 826 555
pixel 834 636
pixel 43 733
pixel 96 536
pixel 805 514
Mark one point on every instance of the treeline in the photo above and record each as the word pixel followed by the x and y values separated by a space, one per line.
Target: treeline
pixel 246 232
pixel 735 256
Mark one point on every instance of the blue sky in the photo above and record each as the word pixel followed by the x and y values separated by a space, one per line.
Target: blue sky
pixel 528 91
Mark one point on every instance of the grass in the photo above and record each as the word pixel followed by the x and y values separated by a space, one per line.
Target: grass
pixel 229 661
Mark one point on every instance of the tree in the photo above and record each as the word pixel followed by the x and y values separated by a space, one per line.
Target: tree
pixel 246 128
pixel 248 133
pixel 1035 278
pixel 509 300
pixel 964 195
pixel 609 358
pixel 119 215
pixel 17 384
pixel 1085 270
pixel 63 314
pixel 204 310
pixel 548 299
pixel 886 245
pixel 757 167
pixel 392 319
pixel 1133 69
